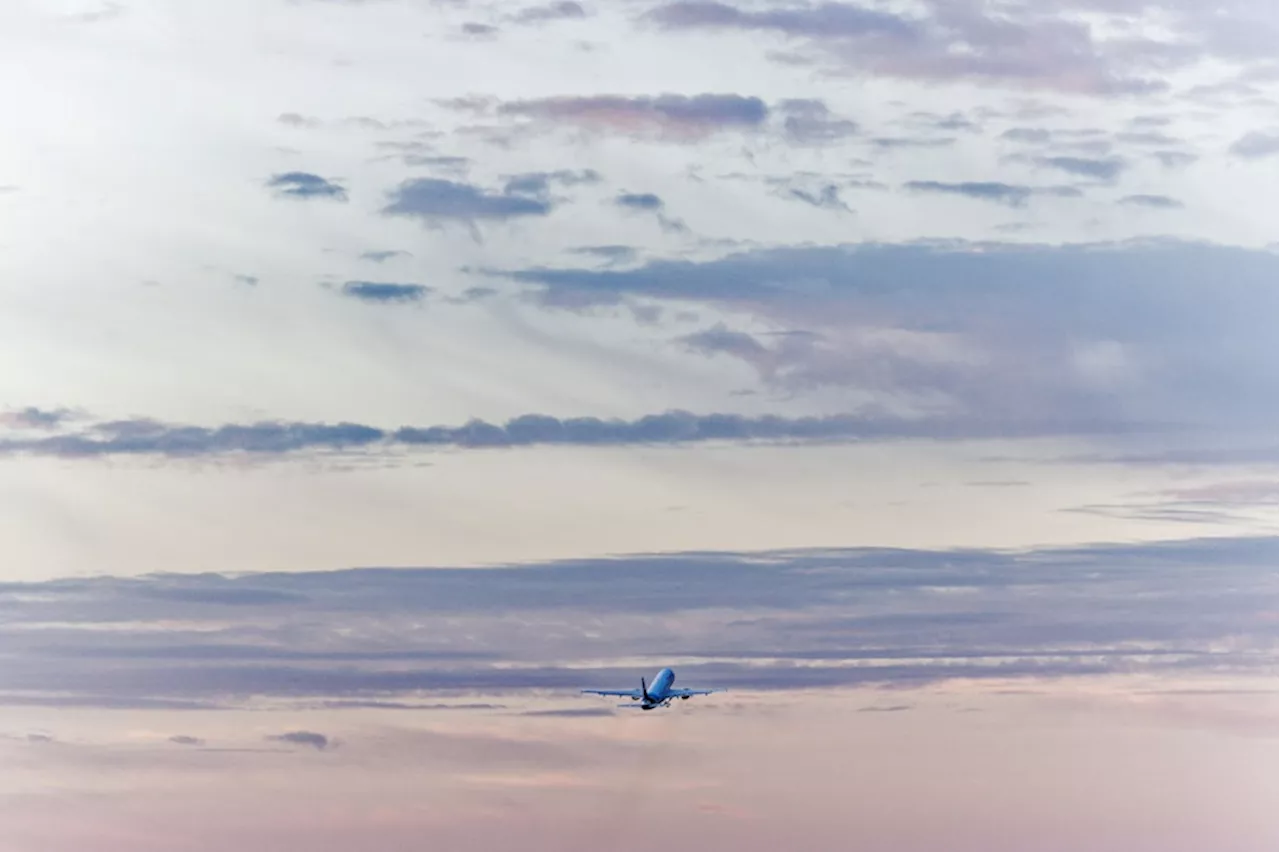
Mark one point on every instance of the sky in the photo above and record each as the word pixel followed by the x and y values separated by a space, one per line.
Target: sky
pixel 376 374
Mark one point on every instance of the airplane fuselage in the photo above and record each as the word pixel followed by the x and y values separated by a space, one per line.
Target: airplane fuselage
pixel 658 691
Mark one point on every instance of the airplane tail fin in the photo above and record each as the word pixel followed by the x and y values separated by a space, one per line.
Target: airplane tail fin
pixel 644 689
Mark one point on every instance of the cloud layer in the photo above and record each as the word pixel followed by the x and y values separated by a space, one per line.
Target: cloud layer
pixel 756 621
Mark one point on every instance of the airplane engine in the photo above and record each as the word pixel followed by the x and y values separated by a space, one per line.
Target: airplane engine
pixel 684 698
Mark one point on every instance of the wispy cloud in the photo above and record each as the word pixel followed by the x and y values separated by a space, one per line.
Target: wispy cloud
pixel 668 115
pixel 1013 195
pixel 1155 202
pixel 562 10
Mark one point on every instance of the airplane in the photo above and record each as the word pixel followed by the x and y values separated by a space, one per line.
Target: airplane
pixel 659 695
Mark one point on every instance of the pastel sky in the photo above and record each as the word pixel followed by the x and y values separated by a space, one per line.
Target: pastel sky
pixel 374 375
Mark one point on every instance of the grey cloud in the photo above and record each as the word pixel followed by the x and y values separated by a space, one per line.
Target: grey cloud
pixel 147 437
pixel 893 142
pixel 941 42
pixel 308 738
pixel 538 184
pixel 893 708
pixel 150 437
pixel 435 201
pixel 850 615
pixel 1152 333
pixel 183 739
pixel 1036 135
pixel 440 163
pixel 306 185
pixel 1174 159
pixel 563 10
pixel 247 280
pixel 825 198
pixel 1015 196
pixel 693 116
pixel 293 119
pixel 611 253
pixel 1102 169
pixel 639 201
pixel 1156 202
pixel 829 20
pixel 32 417
pixel 378 291
pixel 1146 137
pixel 472 28
pixel 383 256
pixel 810 122
pixel 1255 145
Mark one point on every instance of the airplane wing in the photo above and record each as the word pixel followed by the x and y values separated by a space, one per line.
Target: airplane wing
pixel 625 693
pixel 681 693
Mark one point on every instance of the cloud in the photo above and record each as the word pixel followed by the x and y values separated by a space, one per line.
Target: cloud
pixel 826 198
pixel 377 291
pixel 1139 333
pixel 938 42
pixel 436 201
pixel 782 619
pixel 538 184
pixel 1174 159
pixel 478 30
pixel 809 122
pixel 306 185
pixel 152 438
pixel 382 256
pixel 564 10
pixel 610 253
pixel 639 201
pixel 896 142
pixel 293 119
pixel 1156 202
pixel 1107 169
pixel 183 739
pixel 1014 196
pixel 1255 145
pixel 308 738
pixel 671 116
pixel 32 417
